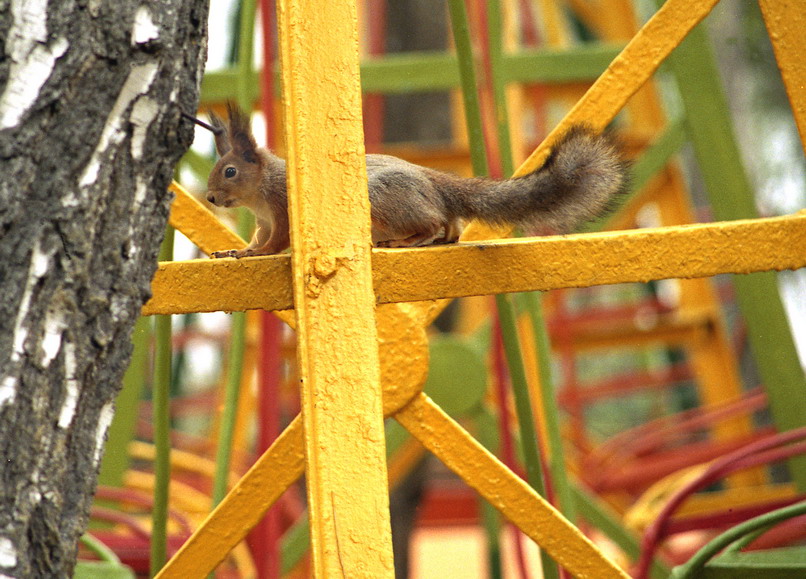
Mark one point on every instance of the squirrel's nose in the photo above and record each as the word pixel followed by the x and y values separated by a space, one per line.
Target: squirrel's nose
pixel 211 198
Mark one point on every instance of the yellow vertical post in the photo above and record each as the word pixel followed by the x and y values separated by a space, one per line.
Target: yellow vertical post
pixel 335 306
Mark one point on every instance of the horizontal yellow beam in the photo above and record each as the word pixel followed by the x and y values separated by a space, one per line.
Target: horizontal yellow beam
pixel 584 260
pixel 514 265
pixel 222 285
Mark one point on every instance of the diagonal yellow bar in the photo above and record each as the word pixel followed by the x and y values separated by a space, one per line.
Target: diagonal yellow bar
pixel 242 508
pixel 628 72
pixel 507 492
pixel 410 275
pixel 404 366
pixel 337 342
pixel 199 225
pixel 786 23
pixel 203 228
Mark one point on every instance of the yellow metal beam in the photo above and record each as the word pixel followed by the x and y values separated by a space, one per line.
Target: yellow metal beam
pixel 584 260
pixel 507 492
pixel 411 275
pixel 242 508
pixel 786 21
pixel 337 342
pixel 198 223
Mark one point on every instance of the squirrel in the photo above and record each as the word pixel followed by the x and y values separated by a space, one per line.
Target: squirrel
pixel 416 206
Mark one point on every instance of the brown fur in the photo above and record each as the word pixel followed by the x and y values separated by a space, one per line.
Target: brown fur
pixel 413 205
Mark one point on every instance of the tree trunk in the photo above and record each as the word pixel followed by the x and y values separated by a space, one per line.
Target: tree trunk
pixel 90 131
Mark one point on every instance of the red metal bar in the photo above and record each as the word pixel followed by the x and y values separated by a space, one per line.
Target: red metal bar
pixel 639 474
pixel 477 14
pixel 727 518
pixel 264 540
pixel 375 104
pixel 742 458
pixel 505 432
pixel 658 433
pixel 625 384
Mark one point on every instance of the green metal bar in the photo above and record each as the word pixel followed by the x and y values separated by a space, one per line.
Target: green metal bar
pixel 693 566
pixel 100 550
pixel 506 311
pixel 523 410
pixel 496 46
pixel 464 56
pixel 490 517
pixel 478 156
pixel 162 425
pixel 245 88
pixel 231 398
pixel 783 563
pixel 607 521
pixel 199 164
pixel 505 303
pixel 435 71
pixel 116 455
pixel 295 543
pixel 533 305
pixel 657 155
pixel 731 195
pixel 580 63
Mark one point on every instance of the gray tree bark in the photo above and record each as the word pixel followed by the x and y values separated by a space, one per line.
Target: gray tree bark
pixel 90 131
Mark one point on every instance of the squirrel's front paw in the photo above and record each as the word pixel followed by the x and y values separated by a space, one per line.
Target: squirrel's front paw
pixel 227 253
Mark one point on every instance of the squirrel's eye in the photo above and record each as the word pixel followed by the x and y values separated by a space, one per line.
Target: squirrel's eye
pixel 230 172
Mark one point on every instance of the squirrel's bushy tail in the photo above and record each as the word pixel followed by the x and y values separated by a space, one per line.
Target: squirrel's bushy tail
pixel 579 182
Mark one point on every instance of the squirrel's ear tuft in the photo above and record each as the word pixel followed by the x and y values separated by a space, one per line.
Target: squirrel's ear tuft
pixel 240 134
pixel 222 141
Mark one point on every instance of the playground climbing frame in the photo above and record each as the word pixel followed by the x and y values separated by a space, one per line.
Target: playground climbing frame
pixel 358 363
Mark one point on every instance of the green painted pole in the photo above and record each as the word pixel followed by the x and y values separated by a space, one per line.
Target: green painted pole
pixel 116 454
pixel 487 435
pixel 467 75
pixel 695 565
pixel 532 304
pixel 601 516
pixel 162 425
pixel 496 47
pixel 428 71
pixel 731 196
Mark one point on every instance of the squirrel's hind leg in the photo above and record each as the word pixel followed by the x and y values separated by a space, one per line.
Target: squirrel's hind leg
pixel 433 233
